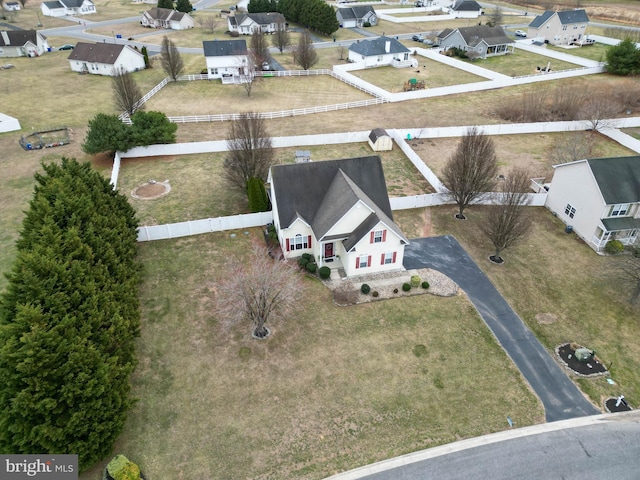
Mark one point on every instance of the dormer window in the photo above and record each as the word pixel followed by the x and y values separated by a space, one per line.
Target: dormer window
pixel 620 210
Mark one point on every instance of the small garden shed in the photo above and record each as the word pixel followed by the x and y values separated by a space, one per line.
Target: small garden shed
pixel 380 141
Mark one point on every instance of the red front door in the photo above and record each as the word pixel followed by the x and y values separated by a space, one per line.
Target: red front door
pixel 328 250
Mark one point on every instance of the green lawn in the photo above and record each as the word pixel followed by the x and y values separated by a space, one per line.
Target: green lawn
pixel 521 63
pixel 596 52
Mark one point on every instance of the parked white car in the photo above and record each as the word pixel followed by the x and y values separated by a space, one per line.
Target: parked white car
pixel 520 33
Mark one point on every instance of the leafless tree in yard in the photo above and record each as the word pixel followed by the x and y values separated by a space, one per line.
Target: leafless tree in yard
pixel 342 50
pixel 258 49
pixel 627 273
pixel 250 153
pixel 304 54
pixel 170 59
pixel 509 221
pixel 496 17
pixel 258 289
pixel 571 147
pixel 471 170
pixel 208 22
pixel 281 38
pixel 600 109
pixel 126 93
pixel 567 102
pixel 248 79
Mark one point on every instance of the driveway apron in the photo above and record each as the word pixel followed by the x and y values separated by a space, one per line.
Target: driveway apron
pixel 560 397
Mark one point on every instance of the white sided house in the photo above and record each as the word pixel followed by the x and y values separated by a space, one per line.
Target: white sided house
pixel 166 18
pixel 465 9
pixel 105 59
pixel 227 60
pixel 22 43
pixel 559 28
pixel 337 211
pixel 63 8
pixel 481 40
pixel 11 6
pixel 357 16
pixel 381 52
pixel 248 23
pixel 599 199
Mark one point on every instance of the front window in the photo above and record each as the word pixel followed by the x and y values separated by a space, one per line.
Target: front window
pixel 619 210
pixel 363 261
pixel 298 242
pixel 378 236
pixel 388 258
pixel 570 210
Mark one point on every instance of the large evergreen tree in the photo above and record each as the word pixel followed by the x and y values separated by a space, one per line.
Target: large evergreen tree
pixel 108 134
pixel 69 317
pixel 624 58
pixel 184 6
pixel 151 128
pixel 165 4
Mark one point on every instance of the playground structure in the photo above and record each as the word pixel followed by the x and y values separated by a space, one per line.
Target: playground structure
pixel 414 84
pixel 53 137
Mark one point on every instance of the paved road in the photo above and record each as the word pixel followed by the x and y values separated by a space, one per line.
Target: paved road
pixel 559 395
pixel 594 448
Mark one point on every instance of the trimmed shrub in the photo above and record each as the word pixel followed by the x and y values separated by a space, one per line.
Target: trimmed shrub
pixel 325 272
pixel 375 294
pixel 302 262
pixel 425 285
pixel 234 34
pixel 365 288
pixel 121 468
pixel 308 256
pixel 415 280
pixel 366 24
pixel 406 287
pixel 613 247
pixel 311 267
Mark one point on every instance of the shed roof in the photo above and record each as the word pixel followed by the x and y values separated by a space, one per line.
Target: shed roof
pixel 376 133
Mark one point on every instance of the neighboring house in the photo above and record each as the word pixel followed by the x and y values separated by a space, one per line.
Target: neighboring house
pixel 11 6
pixel 105 58
pixel 482 40
pixel 380 52
pixel 380 141
pixel 338 211
pixel 22 43
pixel 166 18
pixel 352 17
pixel 248 23
pixel 62 8
pixel 559 28
pixel 465 9
pixel 227 60
pixel 598 198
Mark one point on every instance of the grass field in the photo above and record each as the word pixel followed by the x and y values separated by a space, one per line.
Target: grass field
pixel 597 52
pixel 521 63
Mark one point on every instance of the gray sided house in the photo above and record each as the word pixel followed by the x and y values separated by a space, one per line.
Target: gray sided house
pixel 559 28
pixel 482 41
pixel 599 199
pixel 248 23
pixel 380 52
pixel 22 43
pixel 352 17
pixel 166 18
pixel 338 211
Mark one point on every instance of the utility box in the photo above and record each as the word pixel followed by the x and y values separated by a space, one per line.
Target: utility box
pixel 584 354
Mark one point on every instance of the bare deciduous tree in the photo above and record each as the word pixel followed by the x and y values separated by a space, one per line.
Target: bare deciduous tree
pixel 126 93
pixel 170 59
pixel 304 54
pixel 627 273
pixel 209 22
pixel 496 17
pixel 258 50
pixel 600 109
pixel 567 102
pixel 509 221
pixel 281 39
pixel 572 147
pixel 471 170
pixel 342 50
pixel 258 288
pixel 250 153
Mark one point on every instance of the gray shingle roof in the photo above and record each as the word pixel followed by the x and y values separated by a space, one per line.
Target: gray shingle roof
pixel 260 18
pixel 355 12
pixel 467 6
pixel 491 35
pixel 377 46
pixel 376 133
pixel 223 48
pixel 320 193
pixel 567 17
pixel 53 5
pixel 106 53
pixel 165 14
pixel 72 3
pixel 618 178
pixel 18 38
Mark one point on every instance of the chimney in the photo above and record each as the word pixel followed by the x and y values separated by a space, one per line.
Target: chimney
pixel 387 46
pixel 5 38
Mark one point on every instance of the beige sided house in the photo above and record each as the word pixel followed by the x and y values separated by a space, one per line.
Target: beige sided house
pixel 166 18
pixel 338 211
pixel 559 28
pixel 599 199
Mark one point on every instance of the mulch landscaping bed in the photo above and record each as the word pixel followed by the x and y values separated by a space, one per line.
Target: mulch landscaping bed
pixel 567 353
pixel 610 405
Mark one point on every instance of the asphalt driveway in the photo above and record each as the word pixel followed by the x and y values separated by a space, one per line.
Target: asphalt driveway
pixel 559 395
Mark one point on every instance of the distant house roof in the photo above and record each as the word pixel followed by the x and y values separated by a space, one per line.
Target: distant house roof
pixel 376 133
pixel 378 46
pixel 321 193
pixel 466 6
pixel 165 14
pixel 357 12
pixel 53 5
pixel 618 178
pixel 223 48
pixel 72 3
pixel 106 53
pixel 18 38
pixel 259 18
pixel 566 18
pixel 491 35
pixel 445 32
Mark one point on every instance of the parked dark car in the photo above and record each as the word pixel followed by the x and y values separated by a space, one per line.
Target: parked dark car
pixel 67 46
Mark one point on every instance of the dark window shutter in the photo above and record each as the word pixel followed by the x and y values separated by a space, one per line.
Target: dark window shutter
pixel 394 257
pixel 384 235
pixel 287 244
pixel 382 259
pixel 369 261
pixel 372 235
pixel 309 241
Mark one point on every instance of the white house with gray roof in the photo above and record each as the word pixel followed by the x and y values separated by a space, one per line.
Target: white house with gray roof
pixel 166 18
pixel 248 23
pixel 482 41
pixel 465 9
pixel 338 211
pixel 22 43
pixel 227 60
pixel 63 8
pixel 559 28
pixel 105 58
pixel 357 16
pixel 599 198
pixel 380 52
